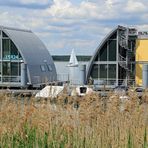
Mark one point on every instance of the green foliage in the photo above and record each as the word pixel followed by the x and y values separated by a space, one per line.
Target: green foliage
pixel 85 122
pixel 145 139
pixel 129 140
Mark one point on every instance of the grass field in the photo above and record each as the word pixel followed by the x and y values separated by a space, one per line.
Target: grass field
pixel 74 122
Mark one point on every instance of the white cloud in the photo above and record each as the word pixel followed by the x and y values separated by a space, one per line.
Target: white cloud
pixel 65 25
pixel 33 1
pixel 136 6
pixel 109 9
pixel 143 27
pixel 65 9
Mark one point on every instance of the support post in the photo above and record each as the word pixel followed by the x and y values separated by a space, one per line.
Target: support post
pixel 145 76
pixel 82 74
pixel 23 74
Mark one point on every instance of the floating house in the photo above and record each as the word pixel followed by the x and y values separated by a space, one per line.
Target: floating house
pixel 119 58
pixel 24 59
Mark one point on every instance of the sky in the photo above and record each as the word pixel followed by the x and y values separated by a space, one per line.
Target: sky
pixel 81 25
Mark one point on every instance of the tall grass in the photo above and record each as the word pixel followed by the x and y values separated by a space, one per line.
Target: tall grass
pixel 64 122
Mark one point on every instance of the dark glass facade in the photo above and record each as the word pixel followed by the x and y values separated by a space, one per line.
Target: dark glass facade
pixel 10 60
pixel 114 61
pixel 104 67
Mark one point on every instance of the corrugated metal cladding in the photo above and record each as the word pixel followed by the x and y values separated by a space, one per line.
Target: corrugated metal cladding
pixel 34 54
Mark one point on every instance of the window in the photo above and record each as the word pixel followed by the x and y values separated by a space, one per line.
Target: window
pixel 6 68
pixel 114 36
pixel 96 59
pixel 0 48
pixel 14 52
pixel 112 71
pixel 9 68
pixel 20 57
pixel 6 49
pixel 94 72
pixel 103 53
pixel 49 67
pixel 0 68
pixel 14 69
pixel 43 68
pixel 112 50
pixel 10 52
pixel 103 71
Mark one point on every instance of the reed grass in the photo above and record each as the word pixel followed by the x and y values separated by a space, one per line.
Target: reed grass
pixel 91 121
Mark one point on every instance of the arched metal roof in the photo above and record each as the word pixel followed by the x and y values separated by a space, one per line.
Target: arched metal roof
pixel 97 52
pixel 34 53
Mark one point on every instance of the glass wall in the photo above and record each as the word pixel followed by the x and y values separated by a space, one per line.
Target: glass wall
pixel 94 71
pixel 104 73
pixel 11 59
pixel 112 71
pixel 103 53
pixel 0 46
pixel 108 51
pixel 113 60
pixel 6 48
pixel 112 50
pixel 105 63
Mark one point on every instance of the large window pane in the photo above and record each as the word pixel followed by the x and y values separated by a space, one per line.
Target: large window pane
pixel 112 50
pixel 96 59
pixel 10 52
pixel 20 57
pixel 112 71
pixel 14 69
pixel 103 71
pixel 11 70
pixel 6 68
pixel 94 72
pixel 14 52
pixel 114 36
pixel 0 68
pixel 0 48
pixel 103 53
pixel 6 49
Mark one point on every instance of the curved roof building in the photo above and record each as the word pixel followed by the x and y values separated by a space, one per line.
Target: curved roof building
pixel 113 62
pixel 22 47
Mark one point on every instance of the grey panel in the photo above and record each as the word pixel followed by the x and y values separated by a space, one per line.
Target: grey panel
pixel 34 54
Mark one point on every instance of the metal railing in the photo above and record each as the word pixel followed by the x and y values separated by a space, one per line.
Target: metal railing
pixel 122 61
pixel 114 82
pixel 15 79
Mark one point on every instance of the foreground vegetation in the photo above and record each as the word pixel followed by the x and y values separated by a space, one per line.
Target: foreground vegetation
pixel 72 122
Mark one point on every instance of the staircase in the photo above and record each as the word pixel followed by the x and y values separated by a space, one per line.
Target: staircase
pixel 125 34
pixel 125 37
pixel 122 61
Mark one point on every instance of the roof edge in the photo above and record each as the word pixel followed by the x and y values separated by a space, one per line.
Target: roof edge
pixel 16 29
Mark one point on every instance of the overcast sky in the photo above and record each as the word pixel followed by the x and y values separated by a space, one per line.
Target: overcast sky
pixel 66 24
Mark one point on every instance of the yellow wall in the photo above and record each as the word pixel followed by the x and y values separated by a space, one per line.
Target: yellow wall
pixel 141 56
